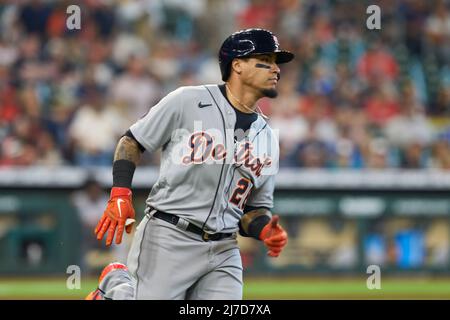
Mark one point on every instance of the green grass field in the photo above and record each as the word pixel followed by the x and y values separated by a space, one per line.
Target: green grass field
pixel 292 288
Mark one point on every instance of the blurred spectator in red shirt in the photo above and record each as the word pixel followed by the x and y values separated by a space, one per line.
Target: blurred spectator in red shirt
pixel 381 105
pixel 258 14
pixel 56 24
pixel 376 62
pixel 9 108
pixel 19 146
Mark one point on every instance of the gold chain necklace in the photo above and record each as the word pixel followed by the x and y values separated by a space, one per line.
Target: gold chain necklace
pixel 245 106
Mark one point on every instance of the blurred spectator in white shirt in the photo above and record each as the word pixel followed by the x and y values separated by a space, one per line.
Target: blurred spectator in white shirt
pixel 94 131
pixel 377 153
pixel 135 91
pixel 437 29
pixel 411 124
pixel 127 45
pixel 47 151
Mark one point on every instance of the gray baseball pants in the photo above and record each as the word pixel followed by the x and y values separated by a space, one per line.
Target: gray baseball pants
pixel 167 263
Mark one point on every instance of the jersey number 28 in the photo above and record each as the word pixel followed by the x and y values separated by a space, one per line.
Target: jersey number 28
pixel 241 193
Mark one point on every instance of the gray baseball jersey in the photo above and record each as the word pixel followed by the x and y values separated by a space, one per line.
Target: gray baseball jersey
pixel 206 175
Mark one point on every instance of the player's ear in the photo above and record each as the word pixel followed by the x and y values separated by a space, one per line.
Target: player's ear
pixel 237 65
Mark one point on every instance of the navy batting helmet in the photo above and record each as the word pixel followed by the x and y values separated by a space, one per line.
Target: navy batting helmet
pixel 249 42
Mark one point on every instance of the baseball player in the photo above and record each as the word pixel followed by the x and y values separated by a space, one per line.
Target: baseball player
pixel 218 161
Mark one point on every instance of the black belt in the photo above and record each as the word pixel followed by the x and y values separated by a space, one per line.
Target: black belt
pixel 173 219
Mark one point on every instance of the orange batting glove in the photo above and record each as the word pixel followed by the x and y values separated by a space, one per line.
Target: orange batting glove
pixel 274 237
pixel 119 213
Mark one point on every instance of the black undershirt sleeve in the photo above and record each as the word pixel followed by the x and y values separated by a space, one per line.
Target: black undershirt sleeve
pixel 122 172
pixel 257 224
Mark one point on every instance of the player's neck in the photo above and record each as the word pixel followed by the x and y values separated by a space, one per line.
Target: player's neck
pixel 241 99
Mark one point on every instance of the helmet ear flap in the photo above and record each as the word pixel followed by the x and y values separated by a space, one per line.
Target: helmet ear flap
pixel 226 72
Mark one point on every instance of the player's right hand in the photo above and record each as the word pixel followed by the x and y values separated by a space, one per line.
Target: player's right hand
pixel 119 214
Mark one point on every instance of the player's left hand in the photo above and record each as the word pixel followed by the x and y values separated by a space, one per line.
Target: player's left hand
pixel 274 237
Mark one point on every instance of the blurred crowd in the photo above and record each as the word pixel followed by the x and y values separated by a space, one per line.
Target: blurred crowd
pixel 353 97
